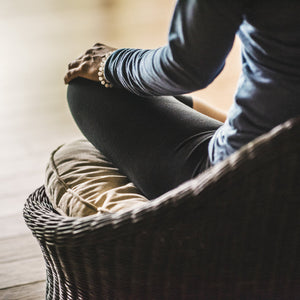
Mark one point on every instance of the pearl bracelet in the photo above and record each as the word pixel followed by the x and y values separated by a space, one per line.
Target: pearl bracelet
pixel 101 76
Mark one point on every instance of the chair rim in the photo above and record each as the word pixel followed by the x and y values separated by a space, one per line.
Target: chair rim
pixel 44 221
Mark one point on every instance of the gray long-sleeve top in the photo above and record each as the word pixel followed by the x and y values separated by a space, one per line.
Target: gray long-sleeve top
pixel 201 36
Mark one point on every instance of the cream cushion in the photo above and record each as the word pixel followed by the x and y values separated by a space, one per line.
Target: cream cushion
pixel 80 181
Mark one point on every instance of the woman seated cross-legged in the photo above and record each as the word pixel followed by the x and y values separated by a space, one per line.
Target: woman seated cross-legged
pixel 129 103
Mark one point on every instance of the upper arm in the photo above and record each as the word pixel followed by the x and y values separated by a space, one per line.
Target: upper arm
pixel 201 35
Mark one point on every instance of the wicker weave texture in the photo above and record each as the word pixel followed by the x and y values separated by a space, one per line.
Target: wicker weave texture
pixel 231 233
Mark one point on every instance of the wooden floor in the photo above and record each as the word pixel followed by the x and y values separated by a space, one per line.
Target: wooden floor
pixel 38 39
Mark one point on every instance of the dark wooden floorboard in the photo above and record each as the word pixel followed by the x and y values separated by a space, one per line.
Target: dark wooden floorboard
pixel 32 291
pixel 22 272
pixel 21 261
pixel 26 247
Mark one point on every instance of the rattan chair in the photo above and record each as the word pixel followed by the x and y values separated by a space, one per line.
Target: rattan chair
pixel 231 233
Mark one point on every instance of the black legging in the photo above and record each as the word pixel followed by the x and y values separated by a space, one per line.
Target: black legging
pixel 158 142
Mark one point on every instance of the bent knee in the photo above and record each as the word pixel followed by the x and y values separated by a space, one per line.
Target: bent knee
pixel 77 93
pixel 81 89
pixel 77 88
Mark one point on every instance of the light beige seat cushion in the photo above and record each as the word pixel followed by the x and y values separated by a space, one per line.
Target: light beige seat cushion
pixel 80 181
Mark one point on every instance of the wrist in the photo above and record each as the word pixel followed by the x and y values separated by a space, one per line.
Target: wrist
pixel 101 71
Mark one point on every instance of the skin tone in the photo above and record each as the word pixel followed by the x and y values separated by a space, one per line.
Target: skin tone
pixel 87 66
pixel 209 110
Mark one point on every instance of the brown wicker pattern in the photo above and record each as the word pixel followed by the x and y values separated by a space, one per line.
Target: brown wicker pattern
pixel 231 233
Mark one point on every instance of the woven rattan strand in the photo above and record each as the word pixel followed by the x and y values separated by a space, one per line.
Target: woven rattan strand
pixel 231 233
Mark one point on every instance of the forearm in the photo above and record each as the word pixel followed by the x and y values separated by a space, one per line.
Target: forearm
pixel 201 36
pixel 153 72
pixel 208 110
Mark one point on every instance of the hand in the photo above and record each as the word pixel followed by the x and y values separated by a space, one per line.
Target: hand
pixel 87 65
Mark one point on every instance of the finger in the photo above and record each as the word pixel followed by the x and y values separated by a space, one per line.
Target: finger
pixel 86 57
pixel 98 45
pixel 72 74
pixel 78 61
pixel 80 57
pixel 90 51
pixel 73 64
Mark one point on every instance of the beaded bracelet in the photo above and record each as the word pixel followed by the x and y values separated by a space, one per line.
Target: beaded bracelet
pixel 101 76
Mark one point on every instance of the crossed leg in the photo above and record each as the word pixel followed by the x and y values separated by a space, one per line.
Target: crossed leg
pixel 158 142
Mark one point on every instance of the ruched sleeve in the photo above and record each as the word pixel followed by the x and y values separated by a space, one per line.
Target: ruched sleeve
pixel 200 37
